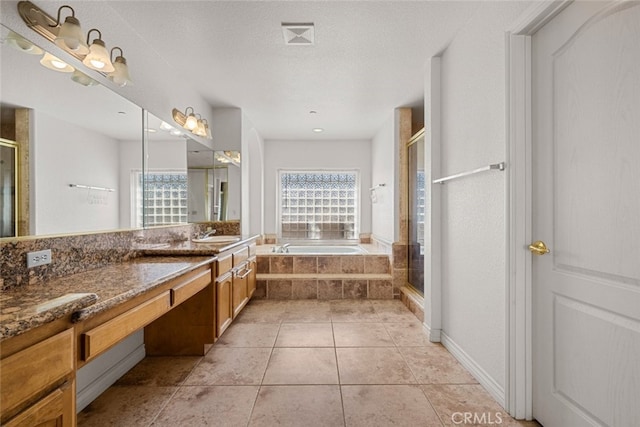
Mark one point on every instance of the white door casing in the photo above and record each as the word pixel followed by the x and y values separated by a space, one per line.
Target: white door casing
pixel 586 208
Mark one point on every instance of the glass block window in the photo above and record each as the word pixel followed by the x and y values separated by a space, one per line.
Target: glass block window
pixel 164 199
pixel 319 205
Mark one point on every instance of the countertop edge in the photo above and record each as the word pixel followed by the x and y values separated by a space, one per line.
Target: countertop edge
pixel 90 311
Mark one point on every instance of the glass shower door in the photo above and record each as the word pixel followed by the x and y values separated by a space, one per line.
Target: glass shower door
pixel 416 212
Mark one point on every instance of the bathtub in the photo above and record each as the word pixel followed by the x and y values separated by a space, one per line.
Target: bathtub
pixel 325 250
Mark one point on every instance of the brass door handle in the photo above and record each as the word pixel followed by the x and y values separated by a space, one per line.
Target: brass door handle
pixel 539 248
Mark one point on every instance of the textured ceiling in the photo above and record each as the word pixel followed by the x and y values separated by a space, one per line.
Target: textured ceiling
pixel 368 57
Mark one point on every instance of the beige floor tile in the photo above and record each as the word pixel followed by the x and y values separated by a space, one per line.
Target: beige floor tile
pixel 373 365
pixel 159 371
pixel 249 335
pixel 209 406
pixel 308 311
pixel 455 402
pixel 298 406
pixel 262 312
pixel 392 311
pixel 129 406
pixel 387 405
pixel 305 335
pixel 361 335
pixel 408 334
pixel 231 366
pixel 433 364
pixel 302 366
pixel 353 311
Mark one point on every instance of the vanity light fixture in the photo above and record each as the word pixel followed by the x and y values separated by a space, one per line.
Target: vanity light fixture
pixel 192 122
pixel 56 64
pixel 70 35
pixel 318 130
pixel 98 57
pixel 120 75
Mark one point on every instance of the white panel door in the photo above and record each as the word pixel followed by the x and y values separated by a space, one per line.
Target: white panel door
pixel 586 208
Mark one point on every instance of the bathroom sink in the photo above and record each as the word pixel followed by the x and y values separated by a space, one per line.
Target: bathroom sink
pixel 217 239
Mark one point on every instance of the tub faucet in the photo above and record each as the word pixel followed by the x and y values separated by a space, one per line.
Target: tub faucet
pixel 285 248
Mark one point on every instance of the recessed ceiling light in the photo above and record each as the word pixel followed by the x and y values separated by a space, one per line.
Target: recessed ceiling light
pixel 318 130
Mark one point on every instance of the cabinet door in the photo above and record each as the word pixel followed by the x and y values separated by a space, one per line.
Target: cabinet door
pixel 51 410
pixel 251 283
pixel 240 298
pixel 224 313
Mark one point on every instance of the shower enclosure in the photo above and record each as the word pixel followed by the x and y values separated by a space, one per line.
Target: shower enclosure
pixel 415 149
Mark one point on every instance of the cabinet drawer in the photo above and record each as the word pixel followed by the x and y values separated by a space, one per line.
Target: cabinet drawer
pixel 190 286
pixel 32 370
pixel 240 256
pixel 225 263
pixel 109 333
pixel 47 411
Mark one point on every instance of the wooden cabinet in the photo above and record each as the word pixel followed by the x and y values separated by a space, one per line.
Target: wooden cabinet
pixel 240 279
pixel 95 341
pixel 37 383
pixel 224 312
pixel 251 280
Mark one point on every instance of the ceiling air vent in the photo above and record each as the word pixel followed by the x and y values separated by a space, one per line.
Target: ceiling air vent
pixel 298 34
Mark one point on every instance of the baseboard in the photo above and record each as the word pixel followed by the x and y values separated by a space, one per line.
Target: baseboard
pixel 89 393
pixel 434 335
pixel 494 389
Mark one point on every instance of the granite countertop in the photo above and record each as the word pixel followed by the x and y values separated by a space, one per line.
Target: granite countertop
pixel 192 248
pixel 86 294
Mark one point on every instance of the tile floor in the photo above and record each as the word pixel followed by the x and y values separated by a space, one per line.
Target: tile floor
pixel 305 363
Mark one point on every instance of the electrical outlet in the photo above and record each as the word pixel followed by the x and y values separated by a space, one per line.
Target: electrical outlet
pixel 35 259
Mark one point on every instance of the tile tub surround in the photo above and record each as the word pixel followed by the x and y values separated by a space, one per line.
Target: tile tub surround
pixel 381 373
pixel 362 276
pixel 80 252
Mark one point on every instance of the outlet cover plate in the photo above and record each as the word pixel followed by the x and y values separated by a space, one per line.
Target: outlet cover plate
pixel 35 259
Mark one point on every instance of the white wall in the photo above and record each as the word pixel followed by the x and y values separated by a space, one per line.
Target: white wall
pixel 473 209
pixel 252 220
pixel 383 162
pixel 350 154
pixel 60 154
pixel 130 161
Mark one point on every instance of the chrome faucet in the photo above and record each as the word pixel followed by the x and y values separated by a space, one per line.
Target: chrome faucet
pixel 207 234
pixel 285 248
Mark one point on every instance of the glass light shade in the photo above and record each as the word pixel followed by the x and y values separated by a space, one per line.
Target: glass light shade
pixel 199 130
pixel 120 75
pixel 98 57
pixel 81 78
pixel 192 122
pixel 55 64
pixel 207 131
pixel 23 45
pixel 70 37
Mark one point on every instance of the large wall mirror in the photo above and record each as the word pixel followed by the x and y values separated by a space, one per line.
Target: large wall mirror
pixel 78 157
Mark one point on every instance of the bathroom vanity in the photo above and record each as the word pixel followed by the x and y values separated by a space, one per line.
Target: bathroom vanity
pixel 184 295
